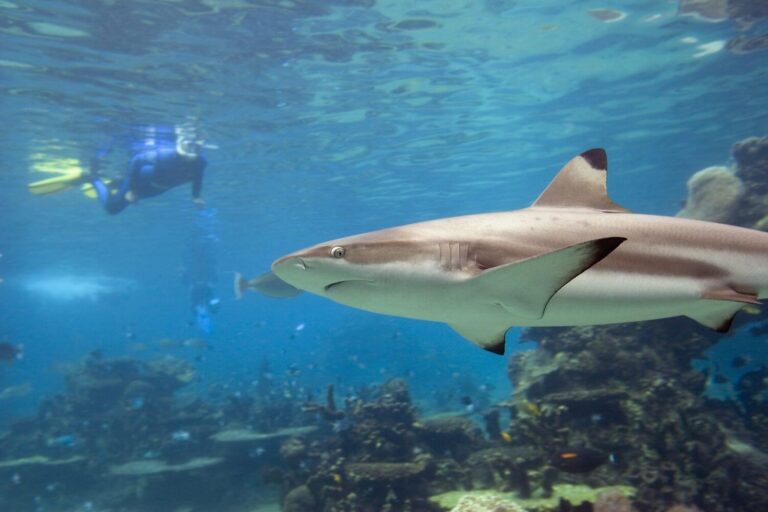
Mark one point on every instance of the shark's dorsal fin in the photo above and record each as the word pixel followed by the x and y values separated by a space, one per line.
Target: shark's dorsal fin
pixel 581 183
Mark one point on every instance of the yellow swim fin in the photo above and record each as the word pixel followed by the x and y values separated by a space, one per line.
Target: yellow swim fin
pixel 65 179
pixel 89 191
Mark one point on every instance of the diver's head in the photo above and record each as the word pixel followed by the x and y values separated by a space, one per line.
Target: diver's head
pixel 188 145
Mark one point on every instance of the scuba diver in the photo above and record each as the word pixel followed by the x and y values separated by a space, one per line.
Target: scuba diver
pixel 200 274
pixel 152 171
pixel 204 305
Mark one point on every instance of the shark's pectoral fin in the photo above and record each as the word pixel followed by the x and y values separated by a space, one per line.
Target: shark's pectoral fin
pixel 721 306
pixel 581 183
pixel 268 284
pixel 524 288
pixel 489 338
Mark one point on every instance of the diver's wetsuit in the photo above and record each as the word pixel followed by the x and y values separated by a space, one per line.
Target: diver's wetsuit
pixel 150 174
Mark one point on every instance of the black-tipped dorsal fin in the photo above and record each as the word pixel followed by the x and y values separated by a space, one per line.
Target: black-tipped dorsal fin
pixel 581 183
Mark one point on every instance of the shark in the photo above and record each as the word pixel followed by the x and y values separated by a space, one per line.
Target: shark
pixel 574 257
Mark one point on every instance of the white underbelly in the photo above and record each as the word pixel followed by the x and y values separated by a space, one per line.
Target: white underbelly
pixel 600 298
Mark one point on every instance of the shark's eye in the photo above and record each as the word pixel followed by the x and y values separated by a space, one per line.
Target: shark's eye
pixel 338 251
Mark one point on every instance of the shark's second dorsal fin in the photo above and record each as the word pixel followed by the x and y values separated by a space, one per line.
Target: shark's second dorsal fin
pixel 581 183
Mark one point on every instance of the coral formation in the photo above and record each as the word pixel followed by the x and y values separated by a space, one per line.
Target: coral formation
pixel 751 157
pixel 155 467
pixel 713 194
pixel 486 504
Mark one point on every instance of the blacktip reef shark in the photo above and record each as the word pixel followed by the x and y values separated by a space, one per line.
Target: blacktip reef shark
pixel 574 257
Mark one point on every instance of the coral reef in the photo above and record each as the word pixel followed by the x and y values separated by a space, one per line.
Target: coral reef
pixel 713 194
pixel 564 497
pixel 654 418
pixel 124 419
pixel 751 158
pixel 486 504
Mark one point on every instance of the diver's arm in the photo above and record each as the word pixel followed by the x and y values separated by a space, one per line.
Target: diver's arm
pixel 134 170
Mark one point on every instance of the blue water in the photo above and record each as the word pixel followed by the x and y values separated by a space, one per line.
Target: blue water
pixel 330 118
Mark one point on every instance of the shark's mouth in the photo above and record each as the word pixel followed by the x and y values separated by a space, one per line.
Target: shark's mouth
pixel 343 284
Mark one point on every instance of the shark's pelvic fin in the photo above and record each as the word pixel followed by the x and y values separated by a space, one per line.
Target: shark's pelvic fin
pixel 718 318
pixel 581 183
pixel 489 338
pixel 526 287
pixel 721 306
pixel 729 294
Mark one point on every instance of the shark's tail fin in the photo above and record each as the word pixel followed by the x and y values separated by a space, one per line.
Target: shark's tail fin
pixel 241 285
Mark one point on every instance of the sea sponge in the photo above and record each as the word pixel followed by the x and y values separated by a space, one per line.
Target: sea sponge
pixel 486 504
pixel 713 194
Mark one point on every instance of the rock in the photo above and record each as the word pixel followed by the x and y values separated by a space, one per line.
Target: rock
pixel 751 155
pixel 299 499
pixel 293 449
pixel 385 472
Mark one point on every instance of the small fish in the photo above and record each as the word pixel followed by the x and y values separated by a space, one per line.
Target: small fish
pixel 181 435
pixel 740 361
pixel 297 330
pixel 196 343
pixel 506 436
pixel 10 352
pixel 15 391
pixel 65 440
pixel 719 378
pixel 167 343
pixel 529 408
pixel 579 459
pixel 293 370
pixel 466 400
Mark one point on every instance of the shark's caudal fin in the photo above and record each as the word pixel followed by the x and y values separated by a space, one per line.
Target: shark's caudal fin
pixel 268 284
pixel 581 183
pixel 524 288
